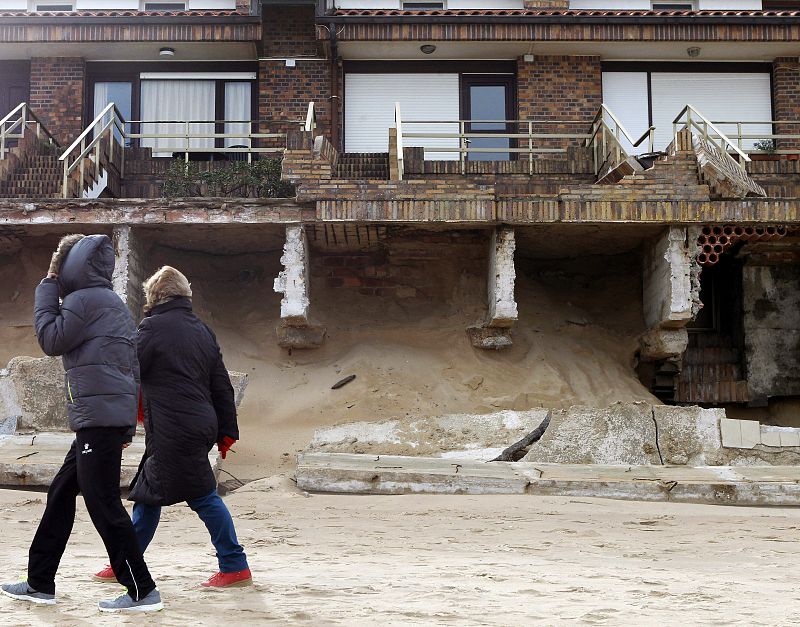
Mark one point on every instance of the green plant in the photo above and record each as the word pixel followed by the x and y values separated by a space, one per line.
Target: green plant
pixel 259 179
pixel 765 145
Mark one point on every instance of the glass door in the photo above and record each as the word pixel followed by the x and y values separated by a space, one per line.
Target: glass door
pixel 487 102
pixel 118 92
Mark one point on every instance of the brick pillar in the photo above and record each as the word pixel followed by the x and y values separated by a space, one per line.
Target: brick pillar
pixel 559 88
pixel 57 95
pixel 786 99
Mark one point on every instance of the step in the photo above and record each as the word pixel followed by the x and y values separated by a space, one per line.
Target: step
pixel 391 474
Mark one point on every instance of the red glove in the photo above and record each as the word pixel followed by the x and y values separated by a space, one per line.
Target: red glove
pixel 140 411
pixel 224 445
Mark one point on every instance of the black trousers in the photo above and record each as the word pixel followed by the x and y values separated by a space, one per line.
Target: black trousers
pixel 92 467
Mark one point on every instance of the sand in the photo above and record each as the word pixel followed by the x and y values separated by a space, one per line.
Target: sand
pixel 496 560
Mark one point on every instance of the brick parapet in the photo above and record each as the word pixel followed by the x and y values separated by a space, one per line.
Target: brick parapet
pixel 786 99
pixel 57 88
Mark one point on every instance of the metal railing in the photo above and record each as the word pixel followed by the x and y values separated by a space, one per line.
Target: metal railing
pixel 87 149
pixel 524 139
pixel 189 137
pixel 763 141
pixel 606 138
pixel 691 118
pixel 310 125
pixel 14 125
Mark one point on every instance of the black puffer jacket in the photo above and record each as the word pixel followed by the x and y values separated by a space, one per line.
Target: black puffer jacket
pixel 188 405
pixel 94 332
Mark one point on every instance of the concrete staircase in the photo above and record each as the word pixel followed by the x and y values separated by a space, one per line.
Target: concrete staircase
pixel 33 172
pixel 362 165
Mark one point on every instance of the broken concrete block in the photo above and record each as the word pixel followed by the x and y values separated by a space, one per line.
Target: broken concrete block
pixel 623 433
pixel 311 336
pixel 770 437
pixel 731 432
pixel 39 386
pixel 689 435
pixel 239 381
pixel 490 338
pixel 660 344
pixel 751 433
pixel 789 437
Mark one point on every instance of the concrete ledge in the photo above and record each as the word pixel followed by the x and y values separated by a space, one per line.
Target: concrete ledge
pixel 33 460
pixel 387 474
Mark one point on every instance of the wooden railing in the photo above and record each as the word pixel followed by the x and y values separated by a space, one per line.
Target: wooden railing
pixel 310 125
pixel 14 126
pixel 606 137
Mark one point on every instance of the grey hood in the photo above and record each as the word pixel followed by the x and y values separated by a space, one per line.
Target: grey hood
pixel 89 263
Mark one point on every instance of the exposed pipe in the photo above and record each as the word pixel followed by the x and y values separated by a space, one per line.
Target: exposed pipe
pixel 333 102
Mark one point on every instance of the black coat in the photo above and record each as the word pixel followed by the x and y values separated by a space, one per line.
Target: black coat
pixel 188 405
pixel 94 332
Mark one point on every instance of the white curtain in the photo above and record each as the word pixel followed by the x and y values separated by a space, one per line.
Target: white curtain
pixel 100 100
pixel 177 101
pixel 237 107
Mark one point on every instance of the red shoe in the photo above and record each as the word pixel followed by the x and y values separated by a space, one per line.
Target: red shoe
pixel 106 575
pixel 229 580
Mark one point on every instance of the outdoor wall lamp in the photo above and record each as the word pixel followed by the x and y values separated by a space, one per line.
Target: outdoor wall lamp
pixel 427 48
pixel 166 52
pixel 693 52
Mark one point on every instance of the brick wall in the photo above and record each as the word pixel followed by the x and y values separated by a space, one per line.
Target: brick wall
pixel 286 91
pixel 546 4
pixel 289 31
pixel 786 98
pixel 560 88
pixel 403 264
pixel 57 94
pixel 243 6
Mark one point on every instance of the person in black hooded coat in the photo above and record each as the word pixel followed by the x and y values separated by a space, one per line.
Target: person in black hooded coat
pixel 93 331
pixel 188 403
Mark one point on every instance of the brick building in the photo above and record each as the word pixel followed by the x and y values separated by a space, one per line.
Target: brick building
pixel 499 131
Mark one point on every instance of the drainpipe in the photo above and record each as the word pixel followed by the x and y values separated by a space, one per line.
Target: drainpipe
pixel 334 99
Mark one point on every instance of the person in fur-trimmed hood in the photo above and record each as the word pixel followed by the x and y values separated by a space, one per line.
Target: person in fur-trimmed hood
pixel 188 403
pixel 93 332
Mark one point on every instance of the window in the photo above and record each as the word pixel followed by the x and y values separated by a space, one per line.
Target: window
pixel 52 7
pixel 423 6
pixel 673 6
pixel 164 6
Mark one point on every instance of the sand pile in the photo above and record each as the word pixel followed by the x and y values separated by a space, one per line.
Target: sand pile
pixel 574 344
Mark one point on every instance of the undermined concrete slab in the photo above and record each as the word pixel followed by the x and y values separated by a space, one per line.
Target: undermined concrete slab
pixel 387 474
pixel 33 460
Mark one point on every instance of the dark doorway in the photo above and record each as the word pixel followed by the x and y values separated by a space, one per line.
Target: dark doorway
pixel 14 84
pixel 489 99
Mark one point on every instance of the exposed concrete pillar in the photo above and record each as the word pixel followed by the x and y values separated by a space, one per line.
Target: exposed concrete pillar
pixel 494 334
pixel 671 294
pixel 296 329
pixel 129 269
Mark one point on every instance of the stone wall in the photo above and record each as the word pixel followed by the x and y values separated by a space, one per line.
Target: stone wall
pixel 57 95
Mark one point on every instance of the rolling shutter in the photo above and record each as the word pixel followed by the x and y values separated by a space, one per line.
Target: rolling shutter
pixel 625 94
pixel 369 109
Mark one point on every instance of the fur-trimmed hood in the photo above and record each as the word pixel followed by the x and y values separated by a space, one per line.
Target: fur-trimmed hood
pixel 166 284
pixel 83 261
pixel 64 246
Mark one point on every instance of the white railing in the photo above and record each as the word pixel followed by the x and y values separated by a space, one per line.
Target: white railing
pixel 14 125
pixel 398 124
pixel 189 137
pixel 605 141
pixel 109 125
pixel 526 139
pixel 759 140
pixel 691 118
pixel 310 125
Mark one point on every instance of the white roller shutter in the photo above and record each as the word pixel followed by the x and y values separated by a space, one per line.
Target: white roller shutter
pixel 625 94
pixel 369 109
pixel 719 97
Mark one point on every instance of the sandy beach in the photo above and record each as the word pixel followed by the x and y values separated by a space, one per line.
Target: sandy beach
pixel 441 560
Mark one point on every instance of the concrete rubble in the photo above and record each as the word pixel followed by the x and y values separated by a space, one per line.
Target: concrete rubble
pixel 34 429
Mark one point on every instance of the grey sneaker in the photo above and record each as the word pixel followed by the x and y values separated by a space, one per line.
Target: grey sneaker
pixel 23 592
pixel 125 603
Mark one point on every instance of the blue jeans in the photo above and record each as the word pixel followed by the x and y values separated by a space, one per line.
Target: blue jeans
pixel 218 521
